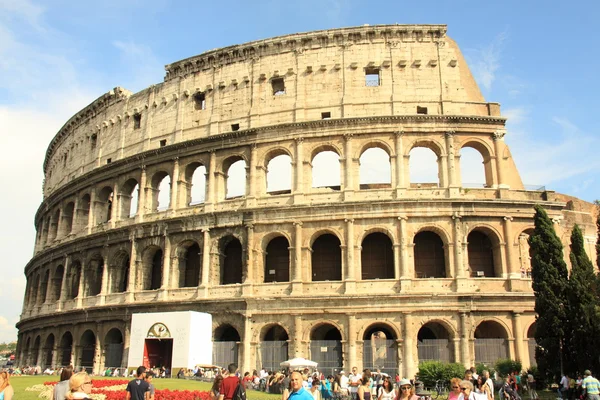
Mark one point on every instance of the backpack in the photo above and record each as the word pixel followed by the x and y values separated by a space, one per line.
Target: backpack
pixel 239 393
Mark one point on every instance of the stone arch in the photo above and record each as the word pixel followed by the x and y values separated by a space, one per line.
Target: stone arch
pixel 68 217
pixel 428 143
pixel 88 348
pixel 129 198
pixel 189 264
pixel 368 328
pixel 374 143
pixel 531 342
pixel 491 340
pixel 278 171
pixel 53 227
pixel 273 331
pixel 65 348
pixel 231 256
pixel 326 257
pixel 430 255
pixel 160 188
pixel 380 347
pixel 486 154
pixel 57 282
pixel 435 341
pixel 226 338
pixel 35 351
pixel 48 351
pixel 273 346
pixel 277 259
pixel 83 212
pixel 377 257
pixel 195 179
pixel 74 278
pixel 26 351
pixel 421 172
pixel 375 168
pixel 95 269
pixel 35 289
pixel 150 277
pixel 119 272
pixel 484 251
pixel 235 174
pixel 326 335
pixel 322 158
pixel 44 286
pixel 103 205
pixel 113 348
pixel 524 250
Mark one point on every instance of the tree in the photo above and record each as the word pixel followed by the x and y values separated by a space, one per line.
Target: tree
pixel 597 202
pixel 582 327
pixel 549 280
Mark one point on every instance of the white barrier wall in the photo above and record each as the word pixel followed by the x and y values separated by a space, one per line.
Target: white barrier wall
pixel 191 333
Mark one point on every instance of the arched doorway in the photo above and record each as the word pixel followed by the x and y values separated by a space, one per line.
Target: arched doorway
pixel 531 344
pixel 277 260
pixel 113 348
pixel 377 257
pixel 429 256
pixel 326 259
pixel 88 347
pixel 65 348
pixel 491 342
pixel 326 348
pixel 380 349
pixel 35 352
pixel 434 343
pixel 48 350
pixel 225 345
pixel 274 348
pixel 231 261
pixel 481 255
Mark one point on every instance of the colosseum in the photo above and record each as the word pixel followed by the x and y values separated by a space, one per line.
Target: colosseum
pixel 208 193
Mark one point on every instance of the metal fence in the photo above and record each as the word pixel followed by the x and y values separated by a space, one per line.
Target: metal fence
pixel 113 355
pixel 487 351
pixel 435 350
pixel 272 354
pixel 328 353
pixel 225 353
pixel 382 354
pixel 531 345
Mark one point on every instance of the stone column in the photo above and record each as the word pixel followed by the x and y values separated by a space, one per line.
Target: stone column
pixel 351 340
pixel 297 338
pixel 205 257
pixel 399 165
pixel 299 171
pixel 464 340
pixel 246 366
pixel 297 265
pixel 512 269
pixel 174 203
pixel 409 364
pixel 166 276
pixel 460 272
pixel 350 269
pixel 104 284
pixel 498 137
pixel 64 287
pixel 114 208
pixel 519 350
pixel 97 351
pixel 251 178
pixel 248 277
pixel 91 215
pixel 141 209
pixel 211 174
pixel 131 281
pixel 81 288
pixel 404 273
pixel 399 357
pixel 452 172
pixel 348 168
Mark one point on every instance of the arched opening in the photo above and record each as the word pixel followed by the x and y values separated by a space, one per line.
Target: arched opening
pixel 83 212
pixel 195 177
pixel 424 168
pixel 64 351
pixel 157 269
pixel 375 170
pixel 326 170
pixel 67 217
pixel 129 199
pixel 113 349
pixel 434 343
pixel 53 230
pixel 47 360
pixel 481 255
pixel 190 266
pixel 103 205
pixel 35 290
pixel 277 260
pixel 274 348
pixel 380 349
pixel 531 344
pixel 377 257
pixel 152 266
pixel 326 258
pixel 326 348
pixel 119 272
pixel 35 351
pixel 473 169
pixel 491 342
pixel 57 282
pixel 231 261
pixel 430 261
pixel 225 345
pixel 88 347
pixel 525 253
pixel 279 175
pixel 26 352
pixel 44 287
pixel 235 178
pixel 163 194
pixel 75 276
pixel 96 270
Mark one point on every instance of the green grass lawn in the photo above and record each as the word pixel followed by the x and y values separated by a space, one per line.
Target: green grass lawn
pixel 20 383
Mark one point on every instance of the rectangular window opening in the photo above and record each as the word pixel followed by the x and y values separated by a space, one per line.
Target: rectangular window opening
pixel 137 121
pixel 108 160
pixel 372 77
pixel 93 140
pixel 421 110
pixel 200 101
pixel 326 115
pixel 163 143
pixel 235 127
pixel 278 85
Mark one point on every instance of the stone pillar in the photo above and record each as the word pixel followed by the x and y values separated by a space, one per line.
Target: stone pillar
pixel 97 352
pixel 460 272
pixel 248 277
pixel 348 168
pixel 246 366
pixel 91 215
pixel 205 257
pixel 400 170
pixel 404 273
pixel 81 288
pixel 141 209
pixel 498 137
pixel 104 284
pixel 399 357
pixel 65 285
pixel 409 364
pixel 350 269
pixel 251 178
pixel 351 340
pixel 464 340
pixel 299 171
pixel 211 174
pixel 174 203
pixel 451 164
pixel 297 338
pixel 297 265
pixel 131 281
pixel 166 276
pixel 519 350
pixel 512 269
pixel 114 208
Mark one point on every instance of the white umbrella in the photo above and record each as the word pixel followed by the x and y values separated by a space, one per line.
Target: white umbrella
pixel 299 363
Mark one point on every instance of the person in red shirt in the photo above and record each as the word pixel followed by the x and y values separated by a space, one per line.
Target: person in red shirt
pixel 229 384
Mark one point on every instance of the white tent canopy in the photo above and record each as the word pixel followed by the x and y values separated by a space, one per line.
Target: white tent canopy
pixel 299 363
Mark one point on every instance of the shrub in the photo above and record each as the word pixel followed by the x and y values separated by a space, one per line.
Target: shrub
pixel 481 366
pixel 506 366
pixel 431 371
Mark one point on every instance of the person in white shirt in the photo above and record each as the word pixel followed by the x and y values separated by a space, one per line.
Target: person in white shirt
pixel 354 383
pixel 564 386
pixel 344 382
pixel 486 375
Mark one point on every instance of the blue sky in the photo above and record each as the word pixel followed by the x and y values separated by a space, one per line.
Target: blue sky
pixel 539 59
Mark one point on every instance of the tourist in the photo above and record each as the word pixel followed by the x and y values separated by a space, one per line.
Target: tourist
pixel 563 391
pixel 150 392
pixel 590 386
pixel 6 389
pixel 406 391
pixel 80 386
pixel 489 382
pixel 484 388
pixel 474 373
pixel 247 380
pixel 454 389
pixel 137 388
pixel 531 387
pixel 216 387
pixel 466 390
pixel 363 391
pixel 354 382
pixel 62 387
pixel 469 377
pixel 315 388
pixel 229 383
pixel 336 388
pixel 344 381
pixel 386 391
pixel 297 390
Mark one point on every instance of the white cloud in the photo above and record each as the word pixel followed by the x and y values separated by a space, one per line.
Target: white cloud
pixel 24 9
pixel 485 61
pixel 144 67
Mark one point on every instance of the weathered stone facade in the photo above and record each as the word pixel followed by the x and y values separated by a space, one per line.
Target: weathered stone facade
pixel 96 262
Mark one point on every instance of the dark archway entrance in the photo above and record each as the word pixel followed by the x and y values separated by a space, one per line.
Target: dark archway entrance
pixel 277 260
pixel 434 343
pixel 113 348
pixel 380 349
pixel 64 351
pixel 88 347
pixel 48 351
pixel 430 261
pixel 274 348
pixel 225 345
pixel 326 259
pixel 377 257
pixel 326 348
pixel 491 342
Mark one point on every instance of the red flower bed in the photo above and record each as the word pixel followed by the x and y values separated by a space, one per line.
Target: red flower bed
pixel 160 394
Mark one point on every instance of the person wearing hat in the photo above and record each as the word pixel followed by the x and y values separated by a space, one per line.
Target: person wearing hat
pixel 406 391
pixel 590 386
